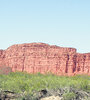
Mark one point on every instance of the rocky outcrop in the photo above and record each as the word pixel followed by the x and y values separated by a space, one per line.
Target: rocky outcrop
pixel 8 95
pixel 66 93
pixel 43 58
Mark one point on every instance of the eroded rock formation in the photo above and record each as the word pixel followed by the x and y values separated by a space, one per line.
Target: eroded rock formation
pixel 43 58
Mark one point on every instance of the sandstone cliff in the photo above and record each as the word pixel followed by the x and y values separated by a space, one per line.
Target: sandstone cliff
pixel 43 58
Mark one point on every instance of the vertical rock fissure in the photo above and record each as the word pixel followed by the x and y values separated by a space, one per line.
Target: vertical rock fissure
pixel 66 70
pixel 74 62
pixel 23 67
pixel 84 58
pixel 23 64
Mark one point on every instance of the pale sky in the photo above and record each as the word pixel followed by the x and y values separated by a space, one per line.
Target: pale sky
pixel 65 23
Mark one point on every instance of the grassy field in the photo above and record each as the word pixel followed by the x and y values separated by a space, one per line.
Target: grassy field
pixel 20 82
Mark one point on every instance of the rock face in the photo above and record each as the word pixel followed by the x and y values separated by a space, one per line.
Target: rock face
pixel 43 58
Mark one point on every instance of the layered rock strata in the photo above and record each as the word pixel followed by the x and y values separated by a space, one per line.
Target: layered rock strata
pixel 43 58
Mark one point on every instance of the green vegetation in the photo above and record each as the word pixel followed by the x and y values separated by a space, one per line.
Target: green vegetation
pixel 20 82
pixel 23 82
pixel 69 96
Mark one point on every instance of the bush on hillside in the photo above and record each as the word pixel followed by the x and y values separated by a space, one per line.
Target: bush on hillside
pixel 5 70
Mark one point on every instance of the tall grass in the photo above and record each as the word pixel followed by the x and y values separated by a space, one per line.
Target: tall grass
pixel 21 82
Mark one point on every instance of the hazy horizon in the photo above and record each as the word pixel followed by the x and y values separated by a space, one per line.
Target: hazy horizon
pixel 65 23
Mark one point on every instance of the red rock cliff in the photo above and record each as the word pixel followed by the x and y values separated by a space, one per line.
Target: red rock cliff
pixel 43 58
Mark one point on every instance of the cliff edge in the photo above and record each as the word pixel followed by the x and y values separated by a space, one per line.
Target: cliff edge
pixel 43 58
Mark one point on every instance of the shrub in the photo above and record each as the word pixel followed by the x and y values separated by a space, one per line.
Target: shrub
pixel 69 96
pixel 21 82
pixel 5 70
